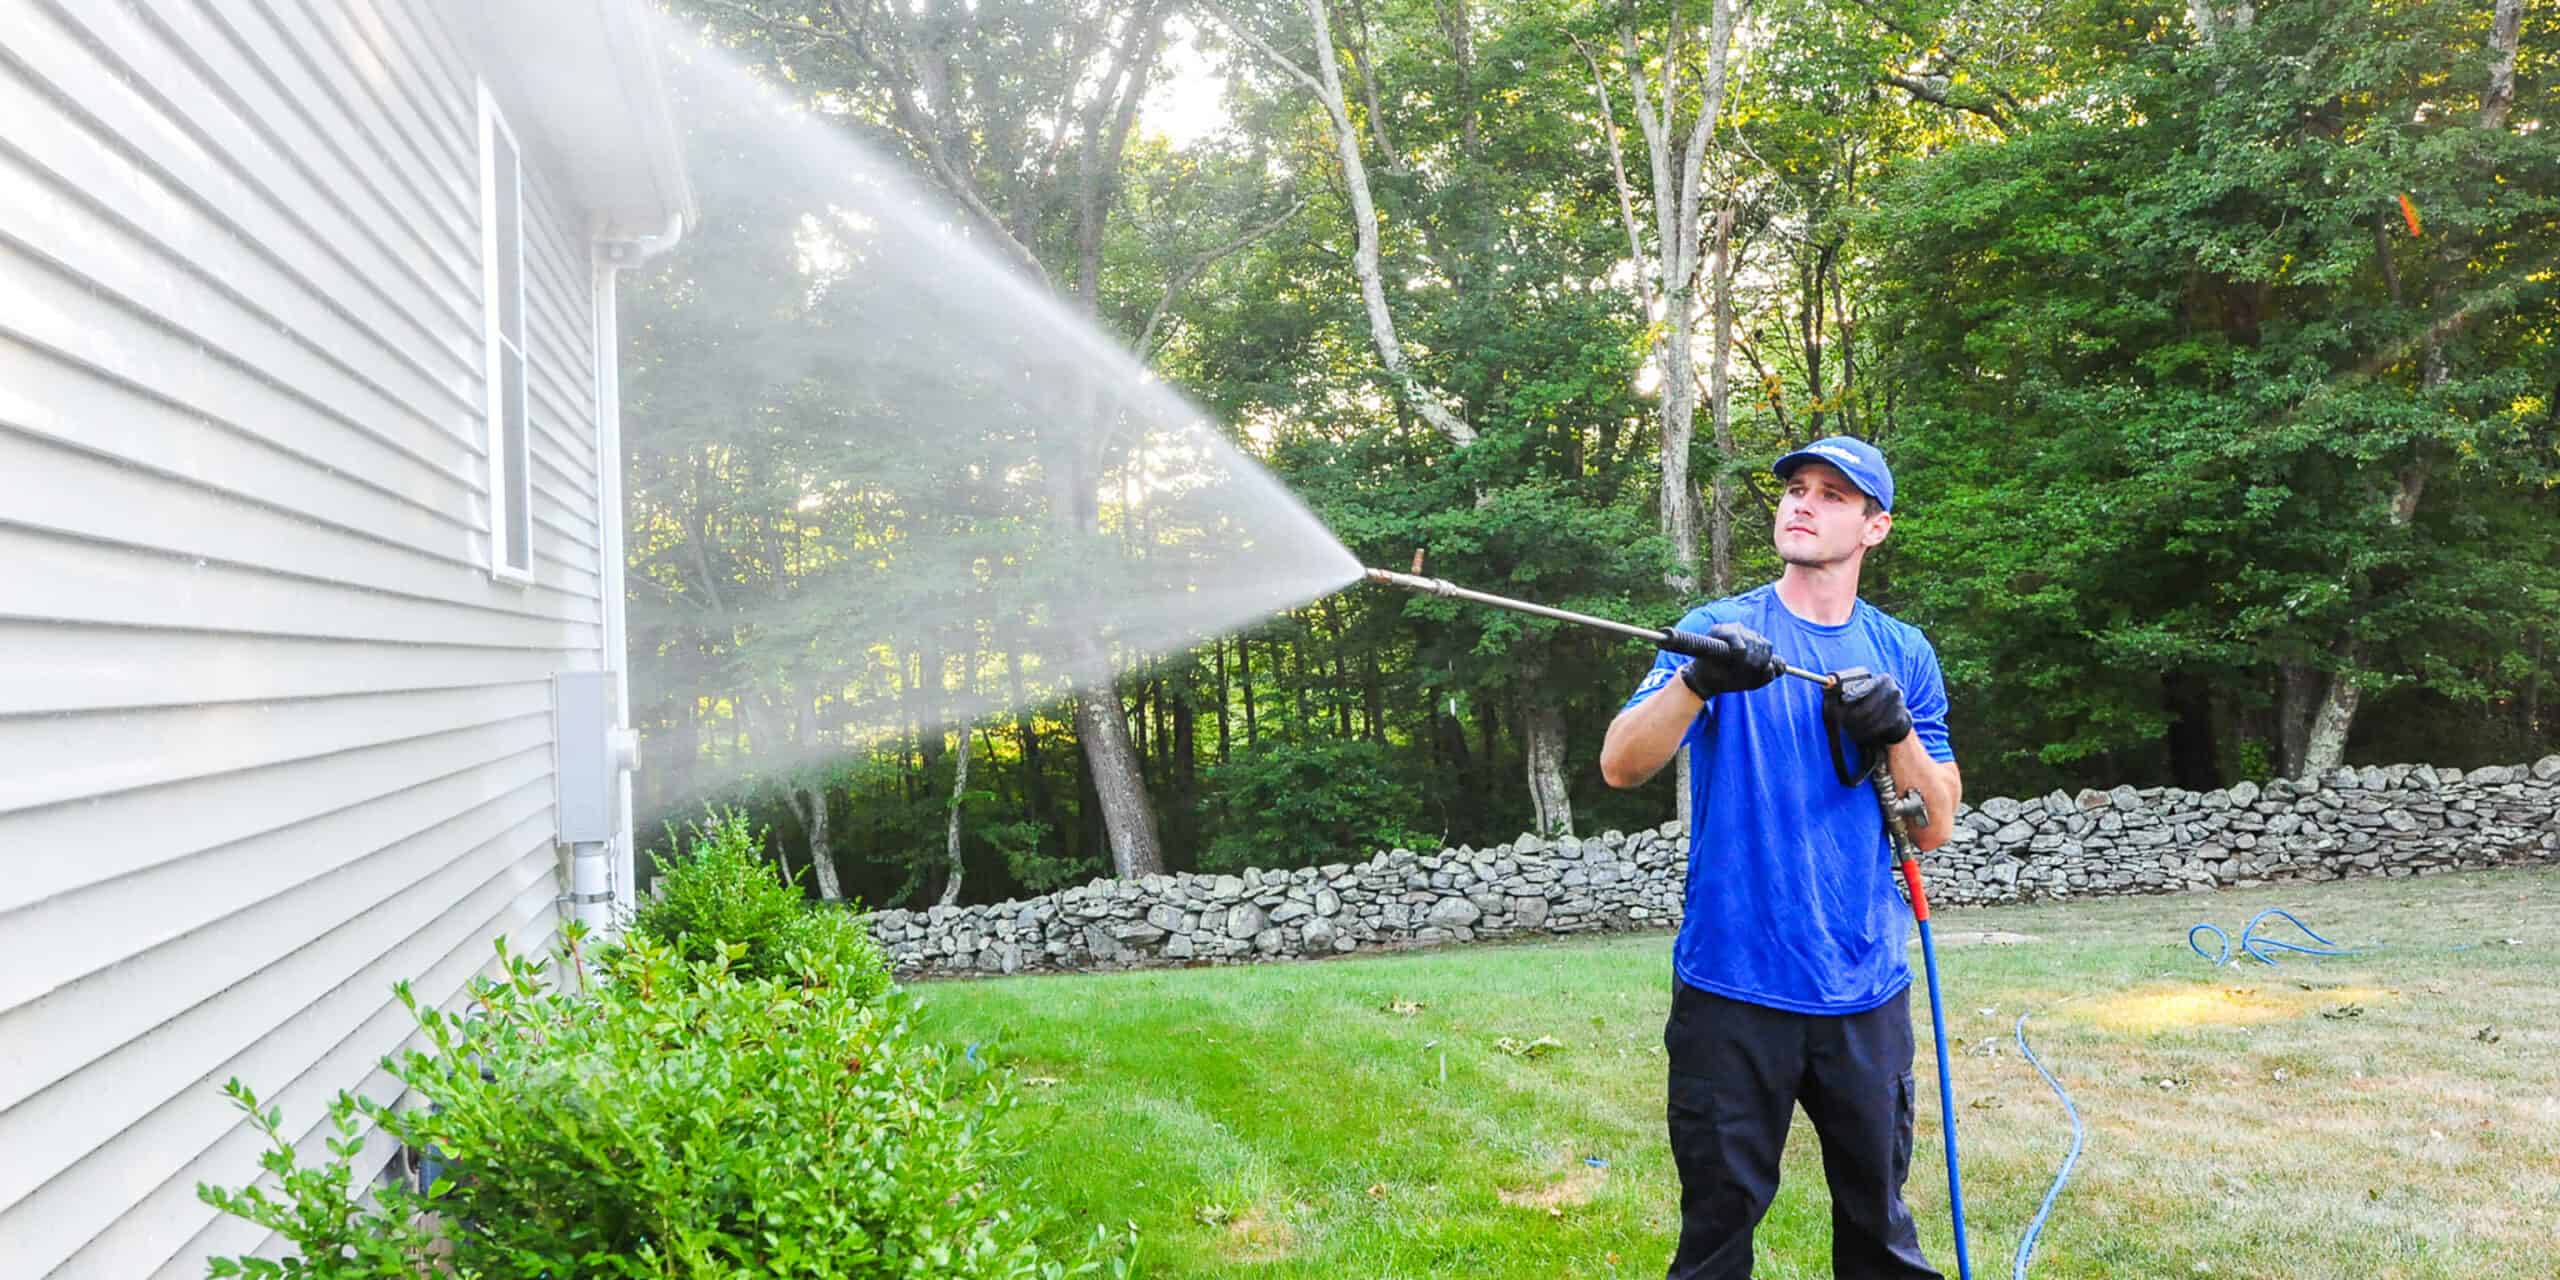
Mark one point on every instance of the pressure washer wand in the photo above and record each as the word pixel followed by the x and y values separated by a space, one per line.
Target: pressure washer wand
pixel 1687 643
pixel 1900 812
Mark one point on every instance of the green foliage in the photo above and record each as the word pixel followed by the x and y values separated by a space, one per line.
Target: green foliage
pixel 722 900
pixel 338 1235
pixel 721 892
pixel 1302 802
pixel 674 1118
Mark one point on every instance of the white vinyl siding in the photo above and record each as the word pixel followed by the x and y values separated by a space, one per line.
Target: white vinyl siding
pixel 277 620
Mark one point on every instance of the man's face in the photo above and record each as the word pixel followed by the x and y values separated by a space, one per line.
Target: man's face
pixel 1823 520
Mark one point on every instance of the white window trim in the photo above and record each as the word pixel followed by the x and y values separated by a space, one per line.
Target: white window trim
pixel 493 125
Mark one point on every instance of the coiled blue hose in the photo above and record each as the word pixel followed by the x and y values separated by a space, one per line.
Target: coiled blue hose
pixel 2027 1243
pixel 2256 948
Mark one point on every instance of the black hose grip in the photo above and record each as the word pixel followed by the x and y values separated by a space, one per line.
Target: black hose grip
pixel 1690 644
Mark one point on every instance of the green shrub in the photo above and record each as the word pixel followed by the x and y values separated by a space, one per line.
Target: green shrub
pixel 677 1120
pixel 721 892
pixel 828 945
pixel 722 899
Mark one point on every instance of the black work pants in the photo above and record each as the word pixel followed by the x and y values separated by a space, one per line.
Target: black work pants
pixel 1737 1072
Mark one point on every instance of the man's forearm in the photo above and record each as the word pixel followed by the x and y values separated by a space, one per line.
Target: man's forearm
pixel 1940 786
pixel 1645 736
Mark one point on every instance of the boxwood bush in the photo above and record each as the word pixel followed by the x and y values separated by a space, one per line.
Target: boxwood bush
pixel 731 1091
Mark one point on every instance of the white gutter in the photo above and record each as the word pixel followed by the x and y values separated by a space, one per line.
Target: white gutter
pixel 610 258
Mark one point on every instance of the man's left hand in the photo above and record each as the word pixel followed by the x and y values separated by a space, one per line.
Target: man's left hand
pixel 1870 708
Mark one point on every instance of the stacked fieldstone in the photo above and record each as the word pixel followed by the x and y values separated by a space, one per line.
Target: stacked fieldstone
pixel 2396 820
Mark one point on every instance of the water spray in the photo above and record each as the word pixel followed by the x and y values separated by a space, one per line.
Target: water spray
pixel 1901 810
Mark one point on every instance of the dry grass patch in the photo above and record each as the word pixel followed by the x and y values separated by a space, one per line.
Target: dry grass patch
pixel 1569 1190
pixel 2163 1007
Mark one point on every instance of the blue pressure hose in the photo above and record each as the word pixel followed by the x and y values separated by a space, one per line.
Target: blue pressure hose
pixel 2027 1243
pixel 2256 948
pixel 1946 1085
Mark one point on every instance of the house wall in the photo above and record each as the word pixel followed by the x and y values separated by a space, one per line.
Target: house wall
pixel 271 737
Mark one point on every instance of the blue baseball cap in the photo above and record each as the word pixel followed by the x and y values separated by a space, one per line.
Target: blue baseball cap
pixel 1856 459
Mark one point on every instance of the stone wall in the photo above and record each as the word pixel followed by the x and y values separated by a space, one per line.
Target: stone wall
pixel 2396 820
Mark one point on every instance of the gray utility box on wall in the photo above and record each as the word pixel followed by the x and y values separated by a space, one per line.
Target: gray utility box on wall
pixel 593 751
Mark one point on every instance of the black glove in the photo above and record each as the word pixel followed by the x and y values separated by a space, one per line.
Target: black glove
pixel 1868 707
pixel 1741 661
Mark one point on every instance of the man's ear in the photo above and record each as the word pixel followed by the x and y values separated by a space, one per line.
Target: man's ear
pixel 1878 525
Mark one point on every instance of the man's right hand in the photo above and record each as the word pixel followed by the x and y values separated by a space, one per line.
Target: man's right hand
pixel 1743 662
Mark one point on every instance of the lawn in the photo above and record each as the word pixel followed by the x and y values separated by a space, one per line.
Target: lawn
pixel 2391 1114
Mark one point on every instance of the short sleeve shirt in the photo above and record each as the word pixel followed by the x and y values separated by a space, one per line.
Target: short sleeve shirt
pixel 1790 901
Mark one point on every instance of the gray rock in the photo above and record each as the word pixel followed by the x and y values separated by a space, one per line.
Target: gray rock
pixel 1318 934
pixel 2547 769
pixel 1453 913
pixel 1291 910
pixel 1245 920
pixel 2244 794
pixel 1530 913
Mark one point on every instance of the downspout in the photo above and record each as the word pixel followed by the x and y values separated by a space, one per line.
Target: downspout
pixel 601 905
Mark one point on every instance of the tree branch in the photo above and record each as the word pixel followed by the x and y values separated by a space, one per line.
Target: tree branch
pixel 1192 271
pixel 1932 88
pixel 1618 171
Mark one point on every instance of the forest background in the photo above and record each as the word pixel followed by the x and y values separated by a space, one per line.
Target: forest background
pixel 2216 348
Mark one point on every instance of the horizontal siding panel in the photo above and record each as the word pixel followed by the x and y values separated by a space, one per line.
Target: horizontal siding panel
pixel 532 928
pixel 435 197
pixel 45 395
pixel 393 81
pixel 62 579
pixel 145 996
pixel 328 1005
pixel 185 99
pixel 167 824
pixel 53 759
pixel 56 400
pixel 105 256
pixel 49 313
pixel 52 667
pixel 91 497
pixel 176 195
pixel 366 90
pixel 419 42
pixel 129 979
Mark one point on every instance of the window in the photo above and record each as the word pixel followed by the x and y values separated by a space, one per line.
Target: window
pixel 502 285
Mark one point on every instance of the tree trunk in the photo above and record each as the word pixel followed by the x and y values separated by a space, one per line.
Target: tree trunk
pixel 2297 701
pixel 1326 83
pixel 1244 672
pixel 1542 725
pixel 956 871
pixel 1542 736
pixel 2324 744
pixel 1679 181
pixel 1118 785
pixel 811 801
pixel 1720 404
pixel 1221 647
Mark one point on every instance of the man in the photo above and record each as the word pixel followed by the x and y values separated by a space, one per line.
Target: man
pixel 1789 979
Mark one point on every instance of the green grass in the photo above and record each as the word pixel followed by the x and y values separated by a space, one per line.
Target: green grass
pixel 2395 1114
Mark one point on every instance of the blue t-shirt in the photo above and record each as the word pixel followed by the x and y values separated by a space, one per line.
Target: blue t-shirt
pixel 1791 900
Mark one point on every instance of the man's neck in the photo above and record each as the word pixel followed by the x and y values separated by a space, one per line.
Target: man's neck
pixel 1824 596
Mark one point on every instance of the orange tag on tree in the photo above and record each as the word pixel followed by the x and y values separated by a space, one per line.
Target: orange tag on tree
pixel 2410 212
